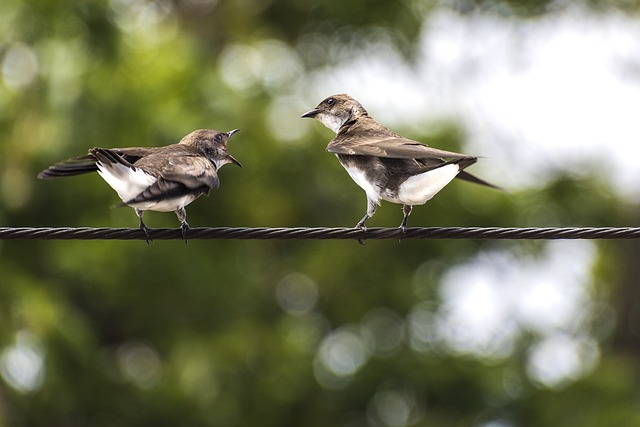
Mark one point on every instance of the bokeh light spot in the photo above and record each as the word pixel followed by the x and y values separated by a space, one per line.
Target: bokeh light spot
pixel 340 356
pixel 22 364
pixel 559 359
pixel 297 294
pixel 140 364
pixel 422 326
pixel 16 187
pixel 394 405
pixel 269 63
pixel 383 331
pixel 280 124
pixel 19 66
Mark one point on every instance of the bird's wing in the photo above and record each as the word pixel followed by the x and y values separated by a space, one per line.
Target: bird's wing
pixel 192 172
pixel 396 147
pixel 179 176
pixel 391 147
pixel 133 154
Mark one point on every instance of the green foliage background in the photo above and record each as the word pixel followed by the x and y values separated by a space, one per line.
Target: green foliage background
pixel 170 334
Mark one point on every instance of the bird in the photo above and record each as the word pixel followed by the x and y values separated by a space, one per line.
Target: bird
pixel 386 165
pixel 161 179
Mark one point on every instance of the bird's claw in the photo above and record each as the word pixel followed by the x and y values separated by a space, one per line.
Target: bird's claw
pixel 403 229
pixel 362 227
pixel 184 227
pixel 146 230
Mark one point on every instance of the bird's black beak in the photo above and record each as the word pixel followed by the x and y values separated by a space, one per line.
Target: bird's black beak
pixel 311 114
pixel 231 132
pixel 234 161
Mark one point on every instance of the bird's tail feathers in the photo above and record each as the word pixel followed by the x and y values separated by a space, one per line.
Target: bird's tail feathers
pixel 463 162
pixel 466 176
pixel 70 167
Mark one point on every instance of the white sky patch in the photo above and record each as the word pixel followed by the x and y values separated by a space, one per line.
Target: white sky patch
pixel 535 96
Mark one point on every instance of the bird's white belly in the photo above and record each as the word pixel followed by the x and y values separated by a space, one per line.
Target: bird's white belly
pixel 168 205
pixel 418 189
pixel 130 182
pixel 360 178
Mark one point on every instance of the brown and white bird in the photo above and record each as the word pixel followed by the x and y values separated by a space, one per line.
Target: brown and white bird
pixel 386 165
pixel 156 178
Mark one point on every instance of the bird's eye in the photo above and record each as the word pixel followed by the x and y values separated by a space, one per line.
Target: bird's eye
pixel 218 138
pixel 331 101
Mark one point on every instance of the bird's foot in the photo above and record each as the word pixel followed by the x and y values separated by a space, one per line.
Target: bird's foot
pixel 146 230
pixel 184 227
pixel 403 229
pixel 406 210
pixel 362 227
pixel 143 226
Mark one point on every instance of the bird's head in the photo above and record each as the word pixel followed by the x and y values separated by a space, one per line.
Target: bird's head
pixel 336 110
pixel 213 144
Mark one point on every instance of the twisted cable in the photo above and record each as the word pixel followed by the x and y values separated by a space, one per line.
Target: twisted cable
pixel 319 233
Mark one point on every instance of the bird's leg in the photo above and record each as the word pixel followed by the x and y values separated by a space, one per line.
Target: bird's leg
pixel 371 210
pixel 184 226
pixel 406 210
pixel 143 226
pixel 361 225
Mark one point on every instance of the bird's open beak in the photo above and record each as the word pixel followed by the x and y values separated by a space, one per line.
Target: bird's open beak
pixel 311 114
pixel 234 161
pixel 230 158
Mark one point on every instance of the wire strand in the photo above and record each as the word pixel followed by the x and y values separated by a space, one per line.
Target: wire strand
pixel 319 233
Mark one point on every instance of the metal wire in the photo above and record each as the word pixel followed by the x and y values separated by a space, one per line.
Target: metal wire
pixel 319 233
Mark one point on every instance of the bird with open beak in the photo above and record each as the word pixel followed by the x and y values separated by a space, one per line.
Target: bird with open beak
pixel 157 178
